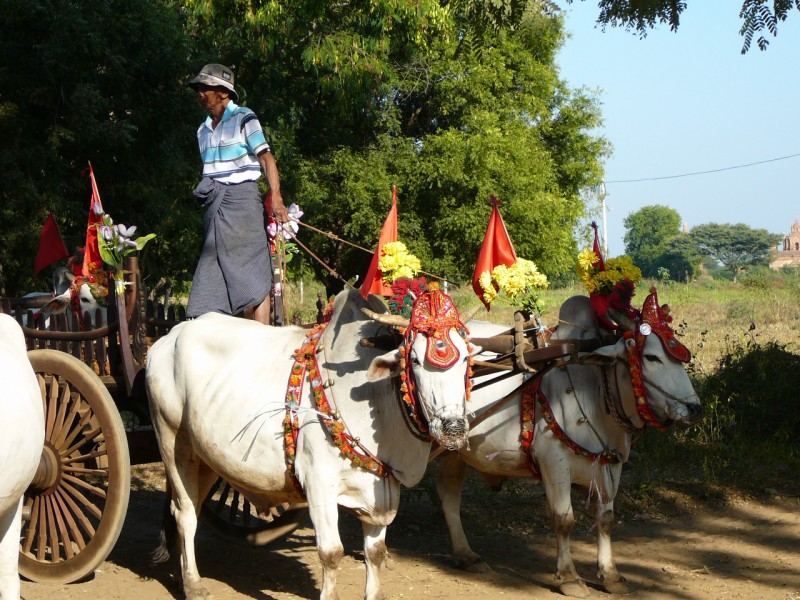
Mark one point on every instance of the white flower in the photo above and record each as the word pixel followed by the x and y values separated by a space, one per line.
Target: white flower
pixel 106 232
pixel 289 229
pixel 126 232
pixel 294 212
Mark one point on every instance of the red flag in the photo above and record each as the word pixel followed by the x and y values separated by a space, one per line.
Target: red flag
pixel 373 282
pixel 599 263
pixel 496 249
pixel 51 246
pixel 91 250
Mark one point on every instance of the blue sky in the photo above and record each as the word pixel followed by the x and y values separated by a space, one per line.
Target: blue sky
pixel 684 102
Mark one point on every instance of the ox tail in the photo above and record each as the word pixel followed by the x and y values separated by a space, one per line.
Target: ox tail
pixel 168 535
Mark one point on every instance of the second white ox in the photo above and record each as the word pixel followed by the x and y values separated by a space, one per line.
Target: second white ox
pixel 72 293
pixel 573 425
pixel 67 295
pixel 218 399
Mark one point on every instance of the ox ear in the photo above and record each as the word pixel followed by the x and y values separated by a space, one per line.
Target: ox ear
pixel 605 356
pixel 385 366
pixel 57 305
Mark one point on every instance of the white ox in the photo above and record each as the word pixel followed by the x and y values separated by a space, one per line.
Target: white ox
pixel 594 407
pixel 21 444
pixel 218 398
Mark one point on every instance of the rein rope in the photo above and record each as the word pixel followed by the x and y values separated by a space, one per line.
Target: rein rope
pixel 332 271
pixel 613 402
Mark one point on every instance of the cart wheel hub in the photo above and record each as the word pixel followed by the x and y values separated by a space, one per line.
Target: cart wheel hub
pixel 48 473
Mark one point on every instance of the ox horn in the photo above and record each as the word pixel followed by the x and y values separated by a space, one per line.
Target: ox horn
pixel 470 314
pixel 385 319
pixel 623 320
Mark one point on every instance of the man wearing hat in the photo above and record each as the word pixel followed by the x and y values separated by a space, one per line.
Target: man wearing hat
pixel 234 273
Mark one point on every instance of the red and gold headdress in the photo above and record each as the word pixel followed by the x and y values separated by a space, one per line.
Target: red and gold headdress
pixel 435 314
pixel 656 318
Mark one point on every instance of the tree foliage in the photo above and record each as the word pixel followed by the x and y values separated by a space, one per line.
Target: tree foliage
pixel 758 17
pixel 680 257
pixel 448 124
pixel 647 232
pixel 735 246
pixel 451 101
pixel 93 82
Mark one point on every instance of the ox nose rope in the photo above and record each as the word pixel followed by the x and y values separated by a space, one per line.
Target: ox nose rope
pixel 668 394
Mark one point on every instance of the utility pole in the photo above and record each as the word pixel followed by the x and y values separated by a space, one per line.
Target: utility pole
pixel 603 209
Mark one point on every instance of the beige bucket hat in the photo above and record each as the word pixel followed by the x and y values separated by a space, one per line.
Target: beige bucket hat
pixel 215 75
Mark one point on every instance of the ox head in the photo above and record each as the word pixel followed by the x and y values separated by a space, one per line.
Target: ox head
pixel 662 390
pixel 79 294
pixel 433 363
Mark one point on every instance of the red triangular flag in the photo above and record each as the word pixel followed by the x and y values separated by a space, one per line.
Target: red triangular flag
pixel 496 249
pixel 91 250
pixel 599 263
pixel 373 282
pixel 51 246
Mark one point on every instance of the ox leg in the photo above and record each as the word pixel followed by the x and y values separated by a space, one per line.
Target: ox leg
pixel 10 525
pixel 183 470
pixel 325 517
pixel 607 572
pixel 557 485
pixel 375 553
pixel 449 484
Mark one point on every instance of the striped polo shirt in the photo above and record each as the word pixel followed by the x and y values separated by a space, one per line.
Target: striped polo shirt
pixel 230 152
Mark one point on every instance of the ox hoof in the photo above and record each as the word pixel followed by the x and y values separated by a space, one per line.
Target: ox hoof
pixel 575 588
pixel 618 586
pixel 197 592
pixel 473 564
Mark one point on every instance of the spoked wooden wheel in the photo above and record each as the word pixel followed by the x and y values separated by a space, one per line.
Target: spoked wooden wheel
pixel 75 507
pixel 233 516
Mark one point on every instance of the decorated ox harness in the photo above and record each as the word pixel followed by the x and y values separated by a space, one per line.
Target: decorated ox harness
pixel 433 314
pixel 655 319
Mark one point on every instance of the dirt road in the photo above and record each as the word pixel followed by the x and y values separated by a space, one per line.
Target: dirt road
pixel 692 545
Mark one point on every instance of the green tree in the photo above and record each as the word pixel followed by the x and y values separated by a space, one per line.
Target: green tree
pixel 355 96
pixel 647 231
pixel 449 122
pixel 680 256
pixel 735 246
pixel 95 82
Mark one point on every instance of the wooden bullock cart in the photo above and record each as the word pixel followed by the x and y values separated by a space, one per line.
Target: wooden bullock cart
pixel 96 427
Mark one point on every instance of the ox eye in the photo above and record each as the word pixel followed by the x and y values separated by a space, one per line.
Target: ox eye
pixel 653 358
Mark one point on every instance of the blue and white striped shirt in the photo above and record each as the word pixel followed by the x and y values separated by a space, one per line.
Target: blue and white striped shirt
pixel 230 152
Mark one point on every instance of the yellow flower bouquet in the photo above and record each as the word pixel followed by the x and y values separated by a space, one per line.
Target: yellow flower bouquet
pixel 610 285
pixel 598 280
pixel 396 262
pixel 518 285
